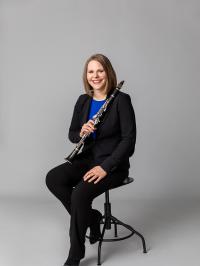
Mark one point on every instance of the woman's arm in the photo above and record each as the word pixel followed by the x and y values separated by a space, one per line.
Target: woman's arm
pixel 126 146
pixel 75 127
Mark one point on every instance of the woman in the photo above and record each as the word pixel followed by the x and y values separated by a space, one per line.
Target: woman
pixel 104 161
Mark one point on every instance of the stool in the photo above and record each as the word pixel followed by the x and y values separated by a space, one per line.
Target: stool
pixel 109 219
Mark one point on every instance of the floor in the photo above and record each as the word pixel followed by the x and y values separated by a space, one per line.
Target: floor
pixel 35 233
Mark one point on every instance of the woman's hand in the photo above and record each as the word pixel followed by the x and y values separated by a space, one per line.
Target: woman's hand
pixel 96 173
pixel 87 128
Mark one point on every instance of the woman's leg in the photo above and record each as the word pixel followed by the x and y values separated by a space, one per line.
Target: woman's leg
pixel 81 202
pixel 61 179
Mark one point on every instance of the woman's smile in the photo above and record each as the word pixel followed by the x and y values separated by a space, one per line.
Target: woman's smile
pixel 96 81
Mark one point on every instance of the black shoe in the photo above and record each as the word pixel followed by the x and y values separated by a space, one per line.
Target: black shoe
pixel 72 262
pixel 95 229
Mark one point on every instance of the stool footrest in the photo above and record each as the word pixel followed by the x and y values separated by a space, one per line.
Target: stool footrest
pixel 116 222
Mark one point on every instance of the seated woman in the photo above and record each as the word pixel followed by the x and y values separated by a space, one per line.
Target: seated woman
pixel 104 161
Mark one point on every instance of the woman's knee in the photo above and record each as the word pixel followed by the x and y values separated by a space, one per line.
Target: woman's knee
pixel 57 176
pixel 50 178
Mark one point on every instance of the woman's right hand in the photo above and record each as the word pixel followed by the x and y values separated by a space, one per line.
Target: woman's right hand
pixel 87 128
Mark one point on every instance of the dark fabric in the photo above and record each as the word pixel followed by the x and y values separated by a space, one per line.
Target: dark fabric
pixel 115 136
pixel 66 183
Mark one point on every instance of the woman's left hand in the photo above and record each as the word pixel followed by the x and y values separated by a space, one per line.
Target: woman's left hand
pixel 96 173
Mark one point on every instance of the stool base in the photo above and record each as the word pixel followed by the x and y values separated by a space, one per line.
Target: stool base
pixel 108 219
pixel 113 220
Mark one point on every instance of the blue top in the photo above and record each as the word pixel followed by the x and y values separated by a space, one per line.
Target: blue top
pixel 94 108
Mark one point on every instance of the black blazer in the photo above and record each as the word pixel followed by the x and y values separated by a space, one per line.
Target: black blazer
pixel 115 135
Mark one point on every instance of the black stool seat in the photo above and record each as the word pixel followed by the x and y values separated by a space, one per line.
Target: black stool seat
pixel 127 181
pixel 108 219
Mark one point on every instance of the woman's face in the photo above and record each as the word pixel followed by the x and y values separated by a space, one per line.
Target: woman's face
pixel 96 76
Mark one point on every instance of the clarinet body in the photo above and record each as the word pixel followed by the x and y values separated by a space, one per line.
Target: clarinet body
pixel 96 119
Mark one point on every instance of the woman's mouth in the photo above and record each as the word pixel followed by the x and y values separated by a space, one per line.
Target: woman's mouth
pixel 96 81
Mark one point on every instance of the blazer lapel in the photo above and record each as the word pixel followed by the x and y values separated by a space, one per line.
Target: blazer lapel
pixel 102 121
pixel 86 109
pixel 105 115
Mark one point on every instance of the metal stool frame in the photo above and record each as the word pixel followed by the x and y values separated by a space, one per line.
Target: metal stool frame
pixel 108 219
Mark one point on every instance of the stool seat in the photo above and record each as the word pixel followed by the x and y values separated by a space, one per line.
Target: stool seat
pixel 127 181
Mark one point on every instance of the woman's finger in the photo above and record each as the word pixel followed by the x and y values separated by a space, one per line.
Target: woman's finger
pixel 88 175
pixel 91 122
pixel 93 178
pixel 88 127
pixel 97 180
pixel 87 130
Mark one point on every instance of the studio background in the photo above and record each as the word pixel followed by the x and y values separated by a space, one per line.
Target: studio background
pixel 153 46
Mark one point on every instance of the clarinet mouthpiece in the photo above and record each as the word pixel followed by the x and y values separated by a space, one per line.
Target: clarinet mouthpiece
pixel 120 84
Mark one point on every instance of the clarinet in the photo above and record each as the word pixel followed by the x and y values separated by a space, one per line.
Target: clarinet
pixel 96 120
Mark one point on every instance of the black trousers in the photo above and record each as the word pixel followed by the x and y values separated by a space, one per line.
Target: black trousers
pixel 66 182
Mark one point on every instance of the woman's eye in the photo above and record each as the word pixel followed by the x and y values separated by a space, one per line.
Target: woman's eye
pixel 91 71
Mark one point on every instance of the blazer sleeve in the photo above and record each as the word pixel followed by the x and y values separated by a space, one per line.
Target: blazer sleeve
pixel 126 146
pixel 75 126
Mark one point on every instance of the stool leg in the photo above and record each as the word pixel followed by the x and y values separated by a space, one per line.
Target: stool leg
pixel 143 241
pixel 100 242
pixel 133 230
pixel 115 226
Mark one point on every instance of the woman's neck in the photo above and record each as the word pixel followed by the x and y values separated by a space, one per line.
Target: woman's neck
pixel 99 96
pixel 99 99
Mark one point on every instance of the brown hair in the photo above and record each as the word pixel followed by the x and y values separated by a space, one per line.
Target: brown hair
pixel 108 68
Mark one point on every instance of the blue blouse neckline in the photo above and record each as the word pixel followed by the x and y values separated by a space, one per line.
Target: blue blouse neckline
pixel 98 100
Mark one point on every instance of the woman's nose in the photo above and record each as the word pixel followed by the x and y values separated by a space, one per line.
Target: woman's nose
pixel 95 74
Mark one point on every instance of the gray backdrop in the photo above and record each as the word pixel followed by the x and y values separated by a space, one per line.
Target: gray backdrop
pixel 154 47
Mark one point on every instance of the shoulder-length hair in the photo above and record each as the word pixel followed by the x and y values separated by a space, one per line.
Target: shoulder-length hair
pixel 108 68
